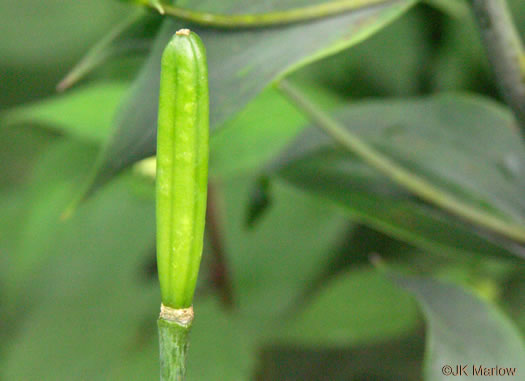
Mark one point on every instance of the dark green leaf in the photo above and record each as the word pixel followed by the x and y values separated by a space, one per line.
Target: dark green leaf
pixel 83 287
pixel 241 64
pixel 454 8
pixel 365 195
pixel 259 202
pixel 392 360
pixel 20 148
pixel 358 306
pixel 390 63
pixel 512 297
pixel 212 325
pixel 466 147
pixel 86 297
pixel 461 48
pixel 260 131
pixel 58 173
pixel 463 330
pixel 277 260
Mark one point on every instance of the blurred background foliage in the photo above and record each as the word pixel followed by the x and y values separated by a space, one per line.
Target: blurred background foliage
pixel 79 296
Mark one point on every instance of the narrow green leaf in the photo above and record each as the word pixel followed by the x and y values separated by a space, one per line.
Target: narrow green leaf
pixel 86 113
pixel 132 35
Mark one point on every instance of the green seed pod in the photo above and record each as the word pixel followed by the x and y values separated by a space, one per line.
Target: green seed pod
pixel 182 167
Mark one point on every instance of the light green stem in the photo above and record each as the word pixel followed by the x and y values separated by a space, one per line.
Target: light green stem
pixel 505 52
pixel 263 19
pixel 174 328
pixel 397 173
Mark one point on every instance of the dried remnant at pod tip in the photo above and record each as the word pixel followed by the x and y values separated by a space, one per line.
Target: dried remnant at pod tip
pixel 182 167
pixel 183 32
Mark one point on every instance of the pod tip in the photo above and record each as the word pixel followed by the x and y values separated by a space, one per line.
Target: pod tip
pixel 183 32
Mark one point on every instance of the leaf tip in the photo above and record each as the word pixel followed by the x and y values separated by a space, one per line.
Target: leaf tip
pixel 69 80
pixel 376 261
pixel 63 85
pixel 66 214
pixel 72 207
pixel 158 6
